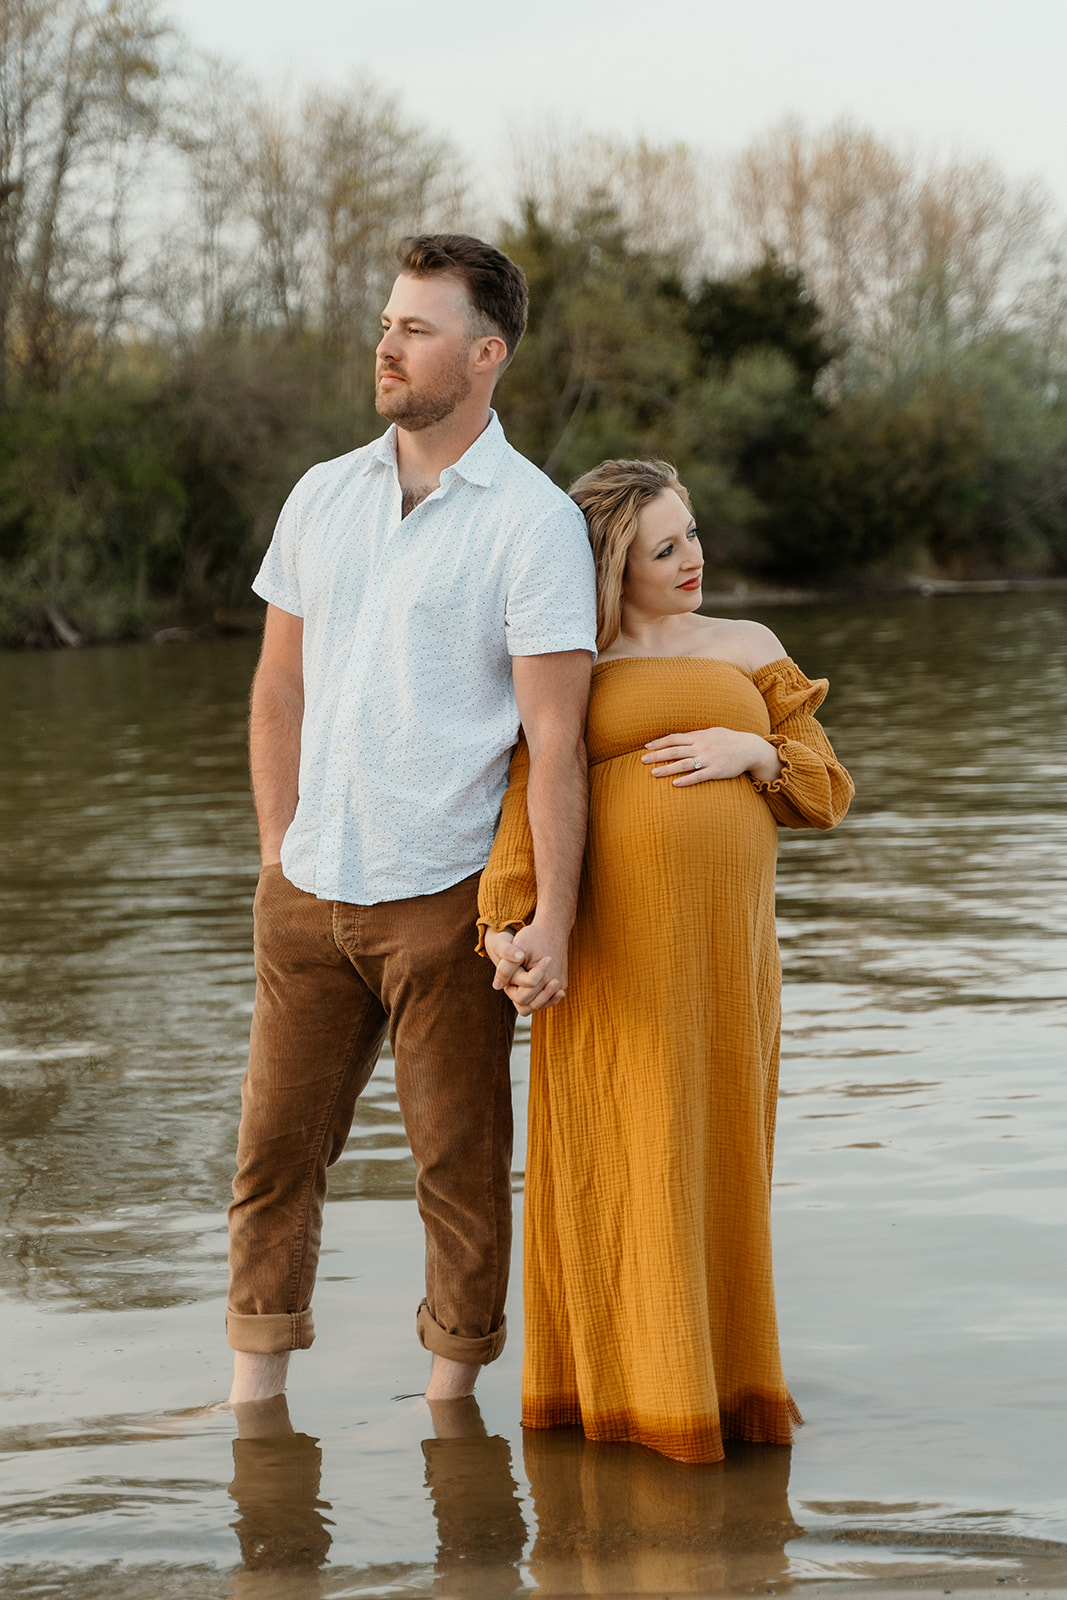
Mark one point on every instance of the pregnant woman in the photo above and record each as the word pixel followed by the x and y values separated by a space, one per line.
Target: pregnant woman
pixel 649 1300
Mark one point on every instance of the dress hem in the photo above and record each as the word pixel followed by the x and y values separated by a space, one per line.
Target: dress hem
pixel 754 1418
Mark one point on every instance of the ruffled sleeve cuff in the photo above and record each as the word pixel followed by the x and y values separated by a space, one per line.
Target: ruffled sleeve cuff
pixel 507 894
pixel 786 691
pixel 813 790
pixel 761 786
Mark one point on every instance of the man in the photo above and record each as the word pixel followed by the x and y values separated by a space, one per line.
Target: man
pixel 425 594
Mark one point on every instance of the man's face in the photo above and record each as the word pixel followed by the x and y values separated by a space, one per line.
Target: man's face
pixel 423 361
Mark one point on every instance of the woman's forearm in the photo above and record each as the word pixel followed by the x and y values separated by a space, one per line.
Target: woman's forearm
pixel 766 764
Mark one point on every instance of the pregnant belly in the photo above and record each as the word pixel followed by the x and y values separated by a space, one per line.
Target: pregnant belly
pixel 706 839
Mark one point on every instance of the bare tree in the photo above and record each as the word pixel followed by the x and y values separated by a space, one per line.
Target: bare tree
pixel 204 269
pixel 79 83
pixel 297 207
pixel 891 244
pixel 278 182
pixel 663 195
pixel 375 178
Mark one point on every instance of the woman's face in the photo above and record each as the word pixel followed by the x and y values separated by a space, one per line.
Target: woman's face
pixel 663 568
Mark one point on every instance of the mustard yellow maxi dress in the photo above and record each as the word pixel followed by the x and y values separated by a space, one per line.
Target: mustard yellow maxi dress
pixel 649 1301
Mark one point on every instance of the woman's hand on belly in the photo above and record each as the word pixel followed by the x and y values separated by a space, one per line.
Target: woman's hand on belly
pixel 707 754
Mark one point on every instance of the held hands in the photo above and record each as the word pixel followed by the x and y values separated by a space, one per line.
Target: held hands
pixel 712 753
pixel 531 966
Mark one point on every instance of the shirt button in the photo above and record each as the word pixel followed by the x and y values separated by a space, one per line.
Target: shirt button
pixel 333 811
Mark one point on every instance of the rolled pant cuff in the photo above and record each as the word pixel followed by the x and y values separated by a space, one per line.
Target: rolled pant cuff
pixel 474 1352
pixel 271 1334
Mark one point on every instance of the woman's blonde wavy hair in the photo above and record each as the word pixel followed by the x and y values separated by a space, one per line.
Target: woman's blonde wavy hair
pixel 611 498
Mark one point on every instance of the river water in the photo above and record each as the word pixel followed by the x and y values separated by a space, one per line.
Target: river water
pixel 919 1199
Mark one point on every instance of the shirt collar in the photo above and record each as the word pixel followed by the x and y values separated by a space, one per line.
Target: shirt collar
pixel 477 465
pixel 382 452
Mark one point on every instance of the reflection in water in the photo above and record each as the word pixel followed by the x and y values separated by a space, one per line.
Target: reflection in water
pixel 618 1519
pixel 283 1534
pixel 285 1538
pixel 480 1530
pixel 611 1519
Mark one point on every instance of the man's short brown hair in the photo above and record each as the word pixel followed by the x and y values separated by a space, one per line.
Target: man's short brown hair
pixel 495 285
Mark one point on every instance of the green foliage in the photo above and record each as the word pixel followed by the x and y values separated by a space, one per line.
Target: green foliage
pixel 940 452
pixel 91 508
pixel 604 358
pixel 757 351
pixel 952 459
pixel 1021 521
pixel 166 372
pixel 767 307
pixel 734 429
pixel 249 417
pixel 142 491
pixel 882 487
pixel 148 500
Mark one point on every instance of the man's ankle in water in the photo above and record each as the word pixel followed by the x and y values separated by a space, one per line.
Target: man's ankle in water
pixel 451 1380
pixel 258 1377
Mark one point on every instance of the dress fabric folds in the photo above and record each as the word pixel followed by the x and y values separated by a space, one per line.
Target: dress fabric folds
pixel 649 1300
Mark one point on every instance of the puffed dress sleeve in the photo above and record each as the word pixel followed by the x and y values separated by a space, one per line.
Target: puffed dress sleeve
pixel 813 789
pixel 507 894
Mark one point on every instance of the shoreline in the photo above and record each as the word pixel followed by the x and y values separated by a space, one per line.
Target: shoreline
pixel 744 592
pixel 753 593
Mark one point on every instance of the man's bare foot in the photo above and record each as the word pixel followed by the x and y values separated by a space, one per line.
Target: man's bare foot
pixel 451 1380
pixel 257 1377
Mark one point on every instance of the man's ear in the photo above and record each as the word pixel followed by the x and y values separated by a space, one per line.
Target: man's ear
pixel 490 353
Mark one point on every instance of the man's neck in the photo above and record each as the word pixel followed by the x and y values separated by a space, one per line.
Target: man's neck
pixel 422 457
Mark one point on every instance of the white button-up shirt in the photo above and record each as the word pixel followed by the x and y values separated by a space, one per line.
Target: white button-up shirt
pixel 409 629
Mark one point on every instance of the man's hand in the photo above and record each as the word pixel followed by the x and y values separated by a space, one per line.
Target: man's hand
pixel 531 966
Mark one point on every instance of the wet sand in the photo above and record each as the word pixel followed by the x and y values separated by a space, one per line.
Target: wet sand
pixel 919 1199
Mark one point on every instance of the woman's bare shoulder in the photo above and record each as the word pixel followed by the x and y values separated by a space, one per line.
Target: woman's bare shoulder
pixel 748 645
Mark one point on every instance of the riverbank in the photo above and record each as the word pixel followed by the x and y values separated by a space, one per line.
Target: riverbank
pixel 746 592
pixel 62 634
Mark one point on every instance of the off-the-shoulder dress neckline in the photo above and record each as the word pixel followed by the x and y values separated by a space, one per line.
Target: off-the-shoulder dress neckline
pixel 715 661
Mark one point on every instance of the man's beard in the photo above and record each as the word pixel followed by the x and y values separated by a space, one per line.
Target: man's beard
pixel 412 411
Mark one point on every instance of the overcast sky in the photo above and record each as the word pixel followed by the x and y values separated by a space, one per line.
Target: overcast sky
pixel 986 77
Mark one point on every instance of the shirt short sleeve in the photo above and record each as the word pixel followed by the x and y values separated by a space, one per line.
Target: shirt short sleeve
pixel 278 580
pixel 551 602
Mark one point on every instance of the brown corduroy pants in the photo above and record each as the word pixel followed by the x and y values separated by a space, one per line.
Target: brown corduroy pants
pixel 331 980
